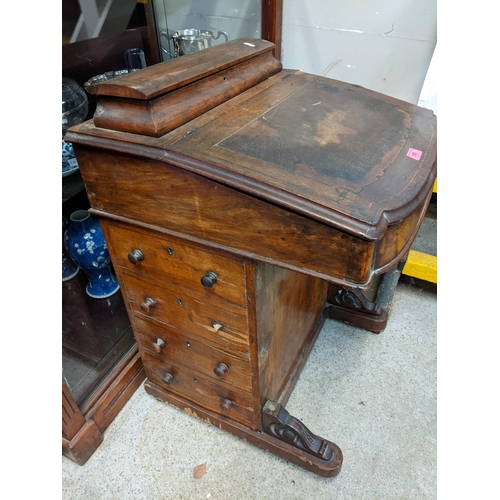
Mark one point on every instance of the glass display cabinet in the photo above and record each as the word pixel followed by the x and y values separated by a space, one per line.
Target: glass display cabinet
pixel 101 367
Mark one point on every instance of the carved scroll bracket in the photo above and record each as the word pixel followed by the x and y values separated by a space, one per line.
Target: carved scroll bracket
pixel 354 299
pixel 279 423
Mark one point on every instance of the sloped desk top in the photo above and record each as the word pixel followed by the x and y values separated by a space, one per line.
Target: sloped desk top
pixel 347 167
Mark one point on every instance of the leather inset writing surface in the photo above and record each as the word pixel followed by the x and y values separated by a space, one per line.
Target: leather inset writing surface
pixel 326 133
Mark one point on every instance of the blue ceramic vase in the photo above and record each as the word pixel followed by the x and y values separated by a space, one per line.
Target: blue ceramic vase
pixel 69 268
pixel 87 247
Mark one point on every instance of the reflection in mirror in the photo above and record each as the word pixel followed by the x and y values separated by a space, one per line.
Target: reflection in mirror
pixel 86 19
pixel 185 26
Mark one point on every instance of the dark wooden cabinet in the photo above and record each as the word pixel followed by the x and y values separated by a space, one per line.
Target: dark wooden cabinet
pixel 234 195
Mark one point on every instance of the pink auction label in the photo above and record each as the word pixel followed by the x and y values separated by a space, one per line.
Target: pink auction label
pixel 414 153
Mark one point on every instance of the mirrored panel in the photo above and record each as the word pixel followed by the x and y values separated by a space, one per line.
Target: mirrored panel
pixel 188 26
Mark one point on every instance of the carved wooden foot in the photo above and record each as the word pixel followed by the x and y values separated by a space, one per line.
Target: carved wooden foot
pixel 280 424
pixel 367 309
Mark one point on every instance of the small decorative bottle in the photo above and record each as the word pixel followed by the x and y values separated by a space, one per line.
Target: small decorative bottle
pixel 87 247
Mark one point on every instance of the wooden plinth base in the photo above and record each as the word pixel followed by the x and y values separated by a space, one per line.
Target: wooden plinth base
pixel 324 468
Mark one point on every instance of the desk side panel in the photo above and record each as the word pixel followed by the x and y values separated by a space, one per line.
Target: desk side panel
pixel 289 309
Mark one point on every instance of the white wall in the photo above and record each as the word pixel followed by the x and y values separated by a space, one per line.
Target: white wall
pixel 428 96
pixel 384 45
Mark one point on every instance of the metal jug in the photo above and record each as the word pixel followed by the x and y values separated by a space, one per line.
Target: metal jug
pixel 188 41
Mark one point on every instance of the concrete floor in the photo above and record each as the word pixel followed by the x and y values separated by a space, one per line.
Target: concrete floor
pixel 372 395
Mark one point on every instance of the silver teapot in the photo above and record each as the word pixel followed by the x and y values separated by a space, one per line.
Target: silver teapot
pixel 188 41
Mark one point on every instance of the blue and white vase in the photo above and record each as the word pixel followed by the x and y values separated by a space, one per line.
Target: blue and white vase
pixel 69 268
pixel 87 247
pixel 69 161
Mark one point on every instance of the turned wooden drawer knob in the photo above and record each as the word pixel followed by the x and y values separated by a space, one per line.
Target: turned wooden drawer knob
pixel 135 256
pixel 158 345
pixel 220 369
pixel 148 304
pixel 209 280
pixel 168 378
pixel 225 404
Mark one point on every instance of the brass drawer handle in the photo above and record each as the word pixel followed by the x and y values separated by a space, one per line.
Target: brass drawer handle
pixel 135 257
pixel 159 345
pixel 221 369
pixel 225 404
pixel 209 280
pixel 148 304
pixel 168 378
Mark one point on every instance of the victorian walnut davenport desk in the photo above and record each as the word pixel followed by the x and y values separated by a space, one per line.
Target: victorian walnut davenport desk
pixel 232 194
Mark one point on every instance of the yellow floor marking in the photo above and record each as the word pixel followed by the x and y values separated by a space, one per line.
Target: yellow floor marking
pixel 421 266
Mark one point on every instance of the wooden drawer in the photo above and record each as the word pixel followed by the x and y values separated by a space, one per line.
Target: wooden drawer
pixel 195 387
pixel 189 351
pixel 179 262
pixel 217 322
